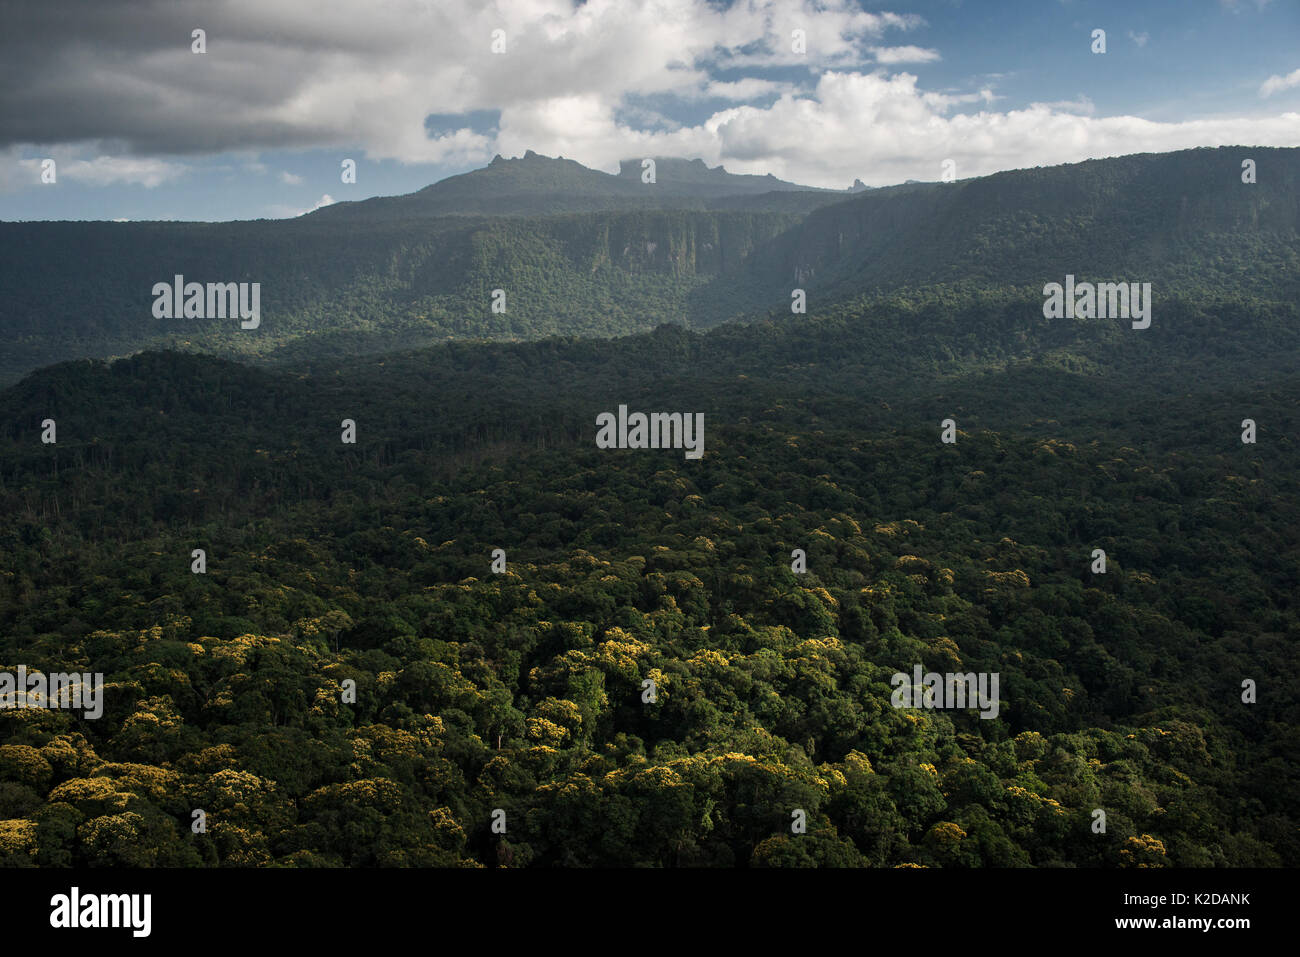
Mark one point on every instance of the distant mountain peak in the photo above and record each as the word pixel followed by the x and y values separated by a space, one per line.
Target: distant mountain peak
pixel 693 173
pixel 535 184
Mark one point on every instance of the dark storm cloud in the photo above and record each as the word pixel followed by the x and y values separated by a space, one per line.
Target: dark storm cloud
pixel 123 70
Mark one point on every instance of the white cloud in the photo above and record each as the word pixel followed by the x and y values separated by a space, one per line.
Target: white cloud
pixel 333 79
pixel 750 88
pixel 284 211
pixel 1139 38
pixel 878 127
pixel 891 55
pixel 983 96
pixel 103 170
pixel 589 81
pixel 1082 105
pixel 293 179
pixel 1276 84
pixel 74 164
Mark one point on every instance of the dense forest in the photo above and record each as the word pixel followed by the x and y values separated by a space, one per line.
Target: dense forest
pixel 331 288
pixel 516 697
pixel 472 637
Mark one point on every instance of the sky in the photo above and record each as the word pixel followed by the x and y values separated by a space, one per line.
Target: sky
pixel 141 126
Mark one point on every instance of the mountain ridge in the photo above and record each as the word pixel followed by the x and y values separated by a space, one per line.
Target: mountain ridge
pixel 535 184
pixel 343 285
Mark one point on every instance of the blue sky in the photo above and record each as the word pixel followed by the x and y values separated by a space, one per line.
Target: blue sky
pixel 142 127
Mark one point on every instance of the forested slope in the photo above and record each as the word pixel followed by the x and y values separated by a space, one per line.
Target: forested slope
pixel 1183 221
pixel 397 276
pixel 337 289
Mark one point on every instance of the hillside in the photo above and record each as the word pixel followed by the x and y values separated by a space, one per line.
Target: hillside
pixel 1183 220
pixel 336 289
pixel 341 285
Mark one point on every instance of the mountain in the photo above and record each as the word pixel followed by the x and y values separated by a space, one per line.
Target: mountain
pixel 345 284
pixel 344 287
pixel 539 185
pixel 1181 220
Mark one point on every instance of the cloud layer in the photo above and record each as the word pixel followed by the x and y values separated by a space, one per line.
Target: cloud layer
pixel 813 92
